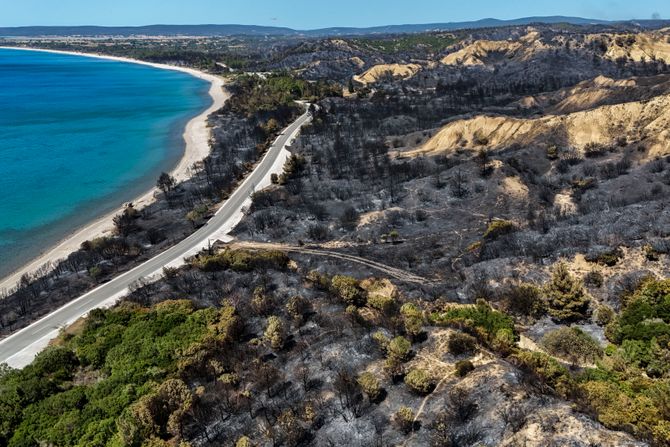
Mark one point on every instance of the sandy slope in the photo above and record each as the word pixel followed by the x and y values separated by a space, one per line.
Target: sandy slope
pixel 374 74
pixel 645 121
pixel 196 138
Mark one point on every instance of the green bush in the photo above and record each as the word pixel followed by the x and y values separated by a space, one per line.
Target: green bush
pixel 133 352
pixel 419 381
pixel 604 315
pixel 404 419
pixel 241 260
pixel 370 385
pixel 499 228
pixel 480 319
pixel 399 349
pixel 383 303
pixel 547 369
pixel 572 344
pixel 244 442
pixel 524 299
pixel 412 319
pixel 275 333
pixel 348 289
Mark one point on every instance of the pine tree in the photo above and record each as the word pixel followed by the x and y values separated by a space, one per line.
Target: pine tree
pixel 566 298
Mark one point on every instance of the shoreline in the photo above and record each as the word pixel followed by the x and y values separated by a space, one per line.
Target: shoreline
pixel 196 138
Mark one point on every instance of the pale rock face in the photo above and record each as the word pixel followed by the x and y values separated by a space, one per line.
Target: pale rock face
pixel 401 71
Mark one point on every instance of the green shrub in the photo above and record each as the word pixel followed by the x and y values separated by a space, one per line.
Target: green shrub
pixel 242 260
pixel 382 340
pixel 321 281
pixel 603 315
pixel 566 298
pixel 404 419
pixel 244 442
pixel 399 349
pixel 370 385
pixel 383 303
pixel 499 228
pixel 524 299
pixel 133 353
pixel 464 367
pixel 419 381
pixel 546 368
pixel 412 319
pixel 348 289
pixel 480 319
pixel 275 333
pixel 572 344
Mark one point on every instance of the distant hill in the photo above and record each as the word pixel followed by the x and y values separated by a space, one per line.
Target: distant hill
pixel 253 30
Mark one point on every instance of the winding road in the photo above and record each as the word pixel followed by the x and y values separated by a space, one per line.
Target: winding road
pixel 20 348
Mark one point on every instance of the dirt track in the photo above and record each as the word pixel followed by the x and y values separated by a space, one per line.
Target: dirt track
pixel 394 272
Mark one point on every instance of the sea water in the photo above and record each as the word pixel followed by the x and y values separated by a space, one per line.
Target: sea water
pixel 80 136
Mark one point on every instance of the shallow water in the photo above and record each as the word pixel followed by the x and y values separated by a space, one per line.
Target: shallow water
pixel 80 136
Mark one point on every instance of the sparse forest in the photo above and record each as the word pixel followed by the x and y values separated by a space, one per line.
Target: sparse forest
pixel 468 246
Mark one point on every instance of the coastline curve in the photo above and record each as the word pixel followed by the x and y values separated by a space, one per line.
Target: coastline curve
pixel 196 138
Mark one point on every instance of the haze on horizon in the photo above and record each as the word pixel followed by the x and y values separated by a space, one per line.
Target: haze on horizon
pixel 303 14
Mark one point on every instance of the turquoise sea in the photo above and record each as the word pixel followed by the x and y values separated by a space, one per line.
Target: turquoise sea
pixel 80 136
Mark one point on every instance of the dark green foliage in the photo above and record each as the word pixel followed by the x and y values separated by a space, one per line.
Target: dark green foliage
pixel 643 328
pixel 419 381
pixel 370 385
pixel 480 320
pixel 608 258
pixel 629 388
pixel 460 343
pixel 242 260
pixel 546 368
pixel 499 228
pixel 348 289
pixel 572 344
pixel 464 367
pixel 130 348
pixel 566 298
pixel 525 300
pixel 257 95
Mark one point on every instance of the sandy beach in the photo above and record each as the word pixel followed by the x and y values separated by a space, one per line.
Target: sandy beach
pixel 196 139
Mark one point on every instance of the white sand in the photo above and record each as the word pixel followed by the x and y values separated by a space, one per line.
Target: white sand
pixel 196 137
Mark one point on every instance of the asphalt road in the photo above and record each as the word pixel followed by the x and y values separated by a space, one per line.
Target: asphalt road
pixel 31 339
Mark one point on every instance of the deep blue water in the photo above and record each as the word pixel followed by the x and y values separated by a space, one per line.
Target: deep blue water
pixel 79 137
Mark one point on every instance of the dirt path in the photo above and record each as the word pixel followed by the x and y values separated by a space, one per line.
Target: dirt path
pixel 394 272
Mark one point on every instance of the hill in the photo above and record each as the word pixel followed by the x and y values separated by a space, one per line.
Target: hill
pixel 213 30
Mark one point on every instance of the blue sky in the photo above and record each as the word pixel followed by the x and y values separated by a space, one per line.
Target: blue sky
pixel 303 14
